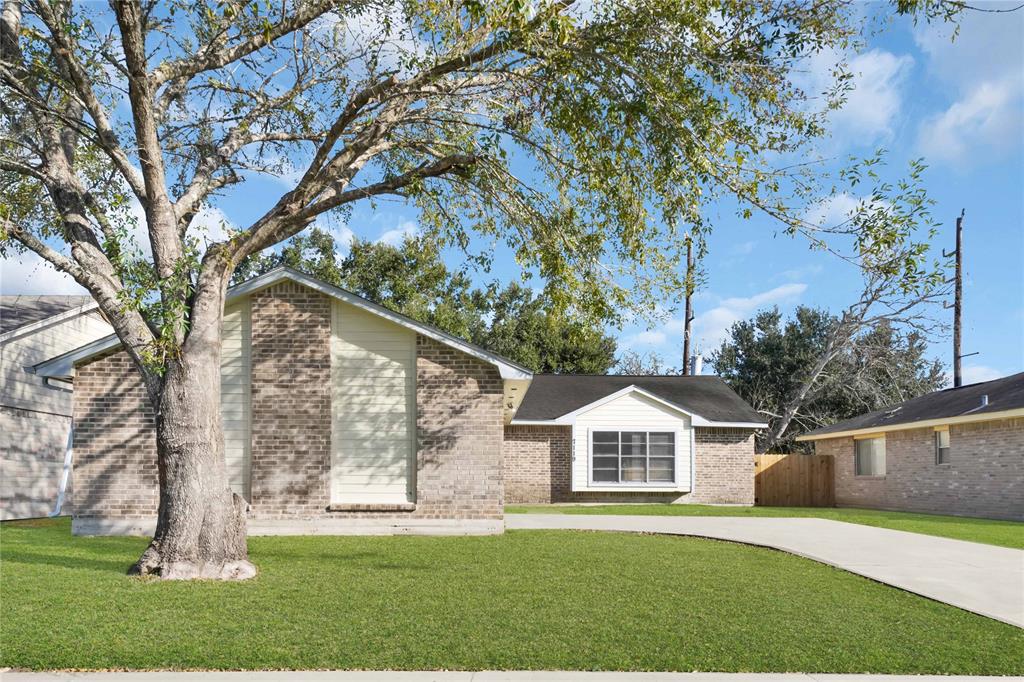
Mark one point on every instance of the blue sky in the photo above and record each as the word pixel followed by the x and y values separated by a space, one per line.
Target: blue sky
pixel 960 105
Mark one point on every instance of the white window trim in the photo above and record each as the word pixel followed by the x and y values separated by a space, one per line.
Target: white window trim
pixel 674 485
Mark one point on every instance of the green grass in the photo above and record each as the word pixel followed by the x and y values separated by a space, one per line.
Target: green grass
pixel 988 531
pixel 522 600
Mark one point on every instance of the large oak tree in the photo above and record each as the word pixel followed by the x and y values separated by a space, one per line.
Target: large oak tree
pixel 577 139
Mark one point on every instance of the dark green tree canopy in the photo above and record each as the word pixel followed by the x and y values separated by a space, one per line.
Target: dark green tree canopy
pixel 767 360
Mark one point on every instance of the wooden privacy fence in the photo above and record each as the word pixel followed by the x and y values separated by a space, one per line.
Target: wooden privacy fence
pixel 794 481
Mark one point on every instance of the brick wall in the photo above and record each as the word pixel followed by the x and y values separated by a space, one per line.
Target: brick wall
pixel 724 466
pixel 538 468
pixel 459 428
pixel 537 464
pixel 985 476
pixel 115 471
pixel 291 401
pixel 459 434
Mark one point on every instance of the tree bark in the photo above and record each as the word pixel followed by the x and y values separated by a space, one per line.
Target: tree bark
pixel 201 523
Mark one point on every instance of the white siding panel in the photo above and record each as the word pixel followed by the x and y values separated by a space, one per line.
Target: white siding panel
pixel 235 394
pixel 637 412
pixel 373 403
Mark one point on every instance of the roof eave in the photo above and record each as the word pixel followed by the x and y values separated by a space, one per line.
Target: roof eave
pixel 569 418
pixel 922 424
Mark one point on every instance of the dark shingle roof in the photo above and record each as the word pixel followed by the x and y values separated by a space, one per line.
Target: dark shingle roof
pixel 1003 394
pixel 552 395
pixel 18 311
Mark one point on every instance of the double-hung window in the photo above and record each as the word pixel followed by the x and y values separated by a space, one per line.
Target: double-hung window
pixel 869 457
pixel 942 446
pixel 633 457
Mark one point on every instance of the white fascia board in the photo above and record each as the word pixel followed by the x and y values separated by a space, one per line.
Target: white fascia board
pixel 63 365
pixel 569 418
pixel 47 321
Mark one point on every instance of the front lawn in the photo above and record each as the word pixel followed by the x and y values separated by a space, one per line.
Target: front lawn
pixel 988 531
pixel 523 600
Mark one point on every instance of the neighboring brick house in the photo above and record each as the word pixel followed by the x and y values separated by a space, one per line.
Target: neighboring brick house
pixel 341 416
pixel 599 438
pixel 958 451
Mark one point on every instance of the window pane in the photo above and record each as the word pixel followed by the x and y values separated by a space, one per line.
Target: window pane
pixel 605 462
pixel 606 476
pixel 869 459
pixel 606 449
pixel 634 443
pixel 606 436
pixel 662 470
pixel 663 438
pixel 941 447
pixel 634 469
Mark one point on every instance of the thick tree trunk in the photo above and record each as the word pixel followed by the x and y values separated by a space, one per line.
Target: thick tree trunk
pixel 200 529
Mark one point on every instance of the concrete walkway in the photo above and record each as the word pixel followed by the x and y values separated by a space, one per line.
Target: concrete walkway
pixel 985 579
pixel 484 676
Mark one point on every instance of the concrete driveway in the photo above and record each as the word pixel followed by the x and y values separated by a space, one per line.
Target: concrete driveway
pixel 981 578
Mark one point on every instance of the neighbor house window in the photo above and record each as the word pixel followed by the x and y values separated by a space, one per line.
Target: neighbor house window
pixel 869 459
pixel 633 457
pixel 942 446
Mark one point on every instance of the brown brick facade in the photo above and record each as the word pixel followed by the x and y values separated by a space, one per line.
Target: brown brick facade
pixel 291 401
pixel 115 471
pixel 985 476
pixel 538 463
pixel 724 466
pixel 459 432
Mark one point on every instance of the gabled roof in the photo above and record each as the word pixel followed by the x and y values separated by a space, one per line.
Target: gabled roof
pixel 952 405
pixel 63 366
pixel 557 398
pixel 17 312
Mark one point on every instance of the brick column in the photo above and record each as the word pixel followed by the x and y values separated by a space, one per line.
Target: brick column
pixel 291 401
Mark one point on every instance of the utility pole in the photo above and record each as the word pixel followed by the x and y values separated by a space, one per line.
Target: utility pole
pixel 958 294
pixel 688 314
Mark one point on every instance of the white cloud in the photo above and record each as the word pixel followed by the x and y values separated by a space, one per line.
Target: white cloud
pixel 873 106
pixel 27 273
pixel 650 337
pixel 990 116
pixel 744 248
pixel 973 374
pixel 712 327
pixel 398 234
pixel 832 211
pixel 981 72
pixel 211 224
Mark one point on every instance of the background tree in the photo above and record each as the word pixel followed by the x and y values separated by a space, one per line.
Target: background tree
pixel 578 140
pixel 412 279
pixel 768 361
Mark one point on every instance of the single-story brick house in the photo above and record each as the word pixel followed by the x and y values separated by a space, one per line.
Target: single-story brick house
pixel 341 416
pixel 957 451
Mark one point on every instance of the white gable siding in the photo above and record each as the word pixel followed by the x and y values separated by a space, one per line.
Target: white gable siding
pixel 235 394
pixel 373 404
pixel 637 412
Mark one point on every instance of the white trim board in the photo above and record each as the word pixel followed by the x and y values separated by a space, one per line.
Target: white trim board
pixel 63 366
pixel 569 418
